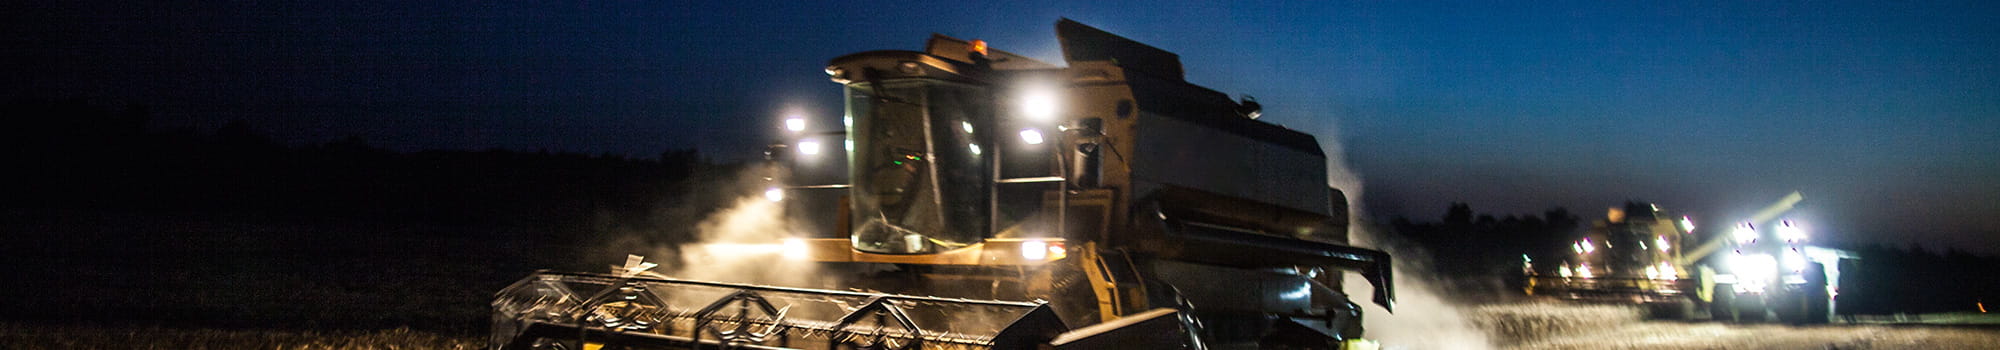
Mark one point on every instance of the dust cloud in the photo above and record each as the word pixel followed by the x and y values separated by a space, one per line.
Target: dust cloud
pixel 724 231
pixel 1424 318
pixel 742 244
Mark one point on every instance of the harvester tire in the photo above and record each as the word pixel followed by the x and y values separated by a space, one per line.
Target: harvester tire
pixel 1722 307
pixel 1680 310
pixel 1751 310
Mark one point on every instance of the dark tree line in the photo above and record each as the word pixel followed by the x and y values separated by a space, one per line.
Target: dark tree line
pixel 1478 254
pixel 1888 280
pixel 71 155
pixel 1481 251
pixel 106 219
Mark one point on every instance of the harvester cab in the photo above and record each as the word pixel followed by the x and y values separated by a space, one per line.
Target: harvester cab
pixel 975 198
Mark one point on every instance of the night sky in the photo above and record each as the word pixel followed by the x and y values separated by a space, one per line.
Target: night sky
pixel 1885 115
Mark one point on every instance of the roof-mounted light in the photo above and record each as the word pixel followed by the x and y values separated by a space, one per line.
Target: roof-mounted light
pixel 978 46
pixel 795 124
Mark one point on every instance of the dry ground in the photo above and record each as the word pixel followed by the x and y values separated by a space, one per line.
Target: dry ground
pixel 28 337
pixel 1566 326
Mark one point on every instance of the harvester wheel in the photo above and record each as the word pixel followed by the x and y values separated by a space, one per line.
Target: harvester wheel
pixel 1722 306
pixel 1751 310
pixel 1679 310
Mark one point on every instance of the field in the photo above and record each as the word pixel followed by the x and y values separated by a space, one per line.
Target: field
pixel 110 281
pixel 260 282
pixel 19 336
pixel 1566 326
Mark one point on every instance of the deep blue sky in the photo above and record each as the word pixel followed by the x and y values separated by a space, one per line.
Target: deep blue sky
pixel 1886 115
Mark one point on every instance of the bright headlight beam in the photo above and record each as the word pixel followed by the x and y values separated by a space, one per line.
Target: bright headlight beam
pixel 1031 136
pixel 1791 232
pixel 1034 250
pixel 774 194
pixel 795 124
pixel 809 147
pixel 1744 233
pixel 795 248
pixel 1039 104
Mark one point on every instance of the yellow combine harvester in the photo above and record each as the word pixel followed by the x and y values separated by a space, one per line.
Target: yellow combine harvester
pixel 987 200
pixel 1640 254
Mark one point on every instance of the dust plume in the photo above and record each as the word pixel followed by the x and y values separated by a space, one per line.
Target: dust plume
pixel 724 230
pixel 743 244
pixel 1424 319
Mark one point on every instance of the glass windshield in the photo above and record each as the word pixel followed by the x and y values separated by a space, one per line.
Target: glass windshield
pixel 922 179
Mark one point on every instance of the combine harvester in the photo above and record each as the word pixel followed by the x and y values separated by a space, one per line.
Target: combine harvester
pixel 1637 255
pixel 991 201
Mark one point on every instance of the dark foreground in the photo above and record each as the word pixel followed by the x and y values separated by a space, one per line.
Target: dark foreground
pixel 1569 326
pixel 1673 335
pixel 1570 329
pixel 19 336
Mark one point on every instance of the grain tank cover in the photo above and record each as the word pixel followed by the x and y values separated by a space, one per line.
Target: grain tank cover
pixel 1082 43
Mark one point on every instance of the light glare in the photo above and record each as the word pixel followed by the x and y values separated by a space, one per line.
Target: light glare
pixel 808 147
pixel 795 248
pixel 795 124
pixel 1034 250
pixel 1744 233
pixel 1790 232
pixel 774 194
pixel 1039 105
pixel 1031 136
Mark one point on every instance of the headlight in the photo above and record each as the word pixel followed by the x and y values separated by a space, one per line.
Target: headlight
pixel 809 147
pixel 1791 232
pixel 1040 104
pixel 795 124
pixel 1757 267
pixel 1040 250
pixel 1034 250
pixel 774 194
pixel 1744 233
pixel 795 248
pixel 1031 136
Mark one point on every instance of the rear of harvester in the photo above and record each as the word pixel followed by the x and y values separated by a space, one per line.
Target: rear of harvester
pixel 974 198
